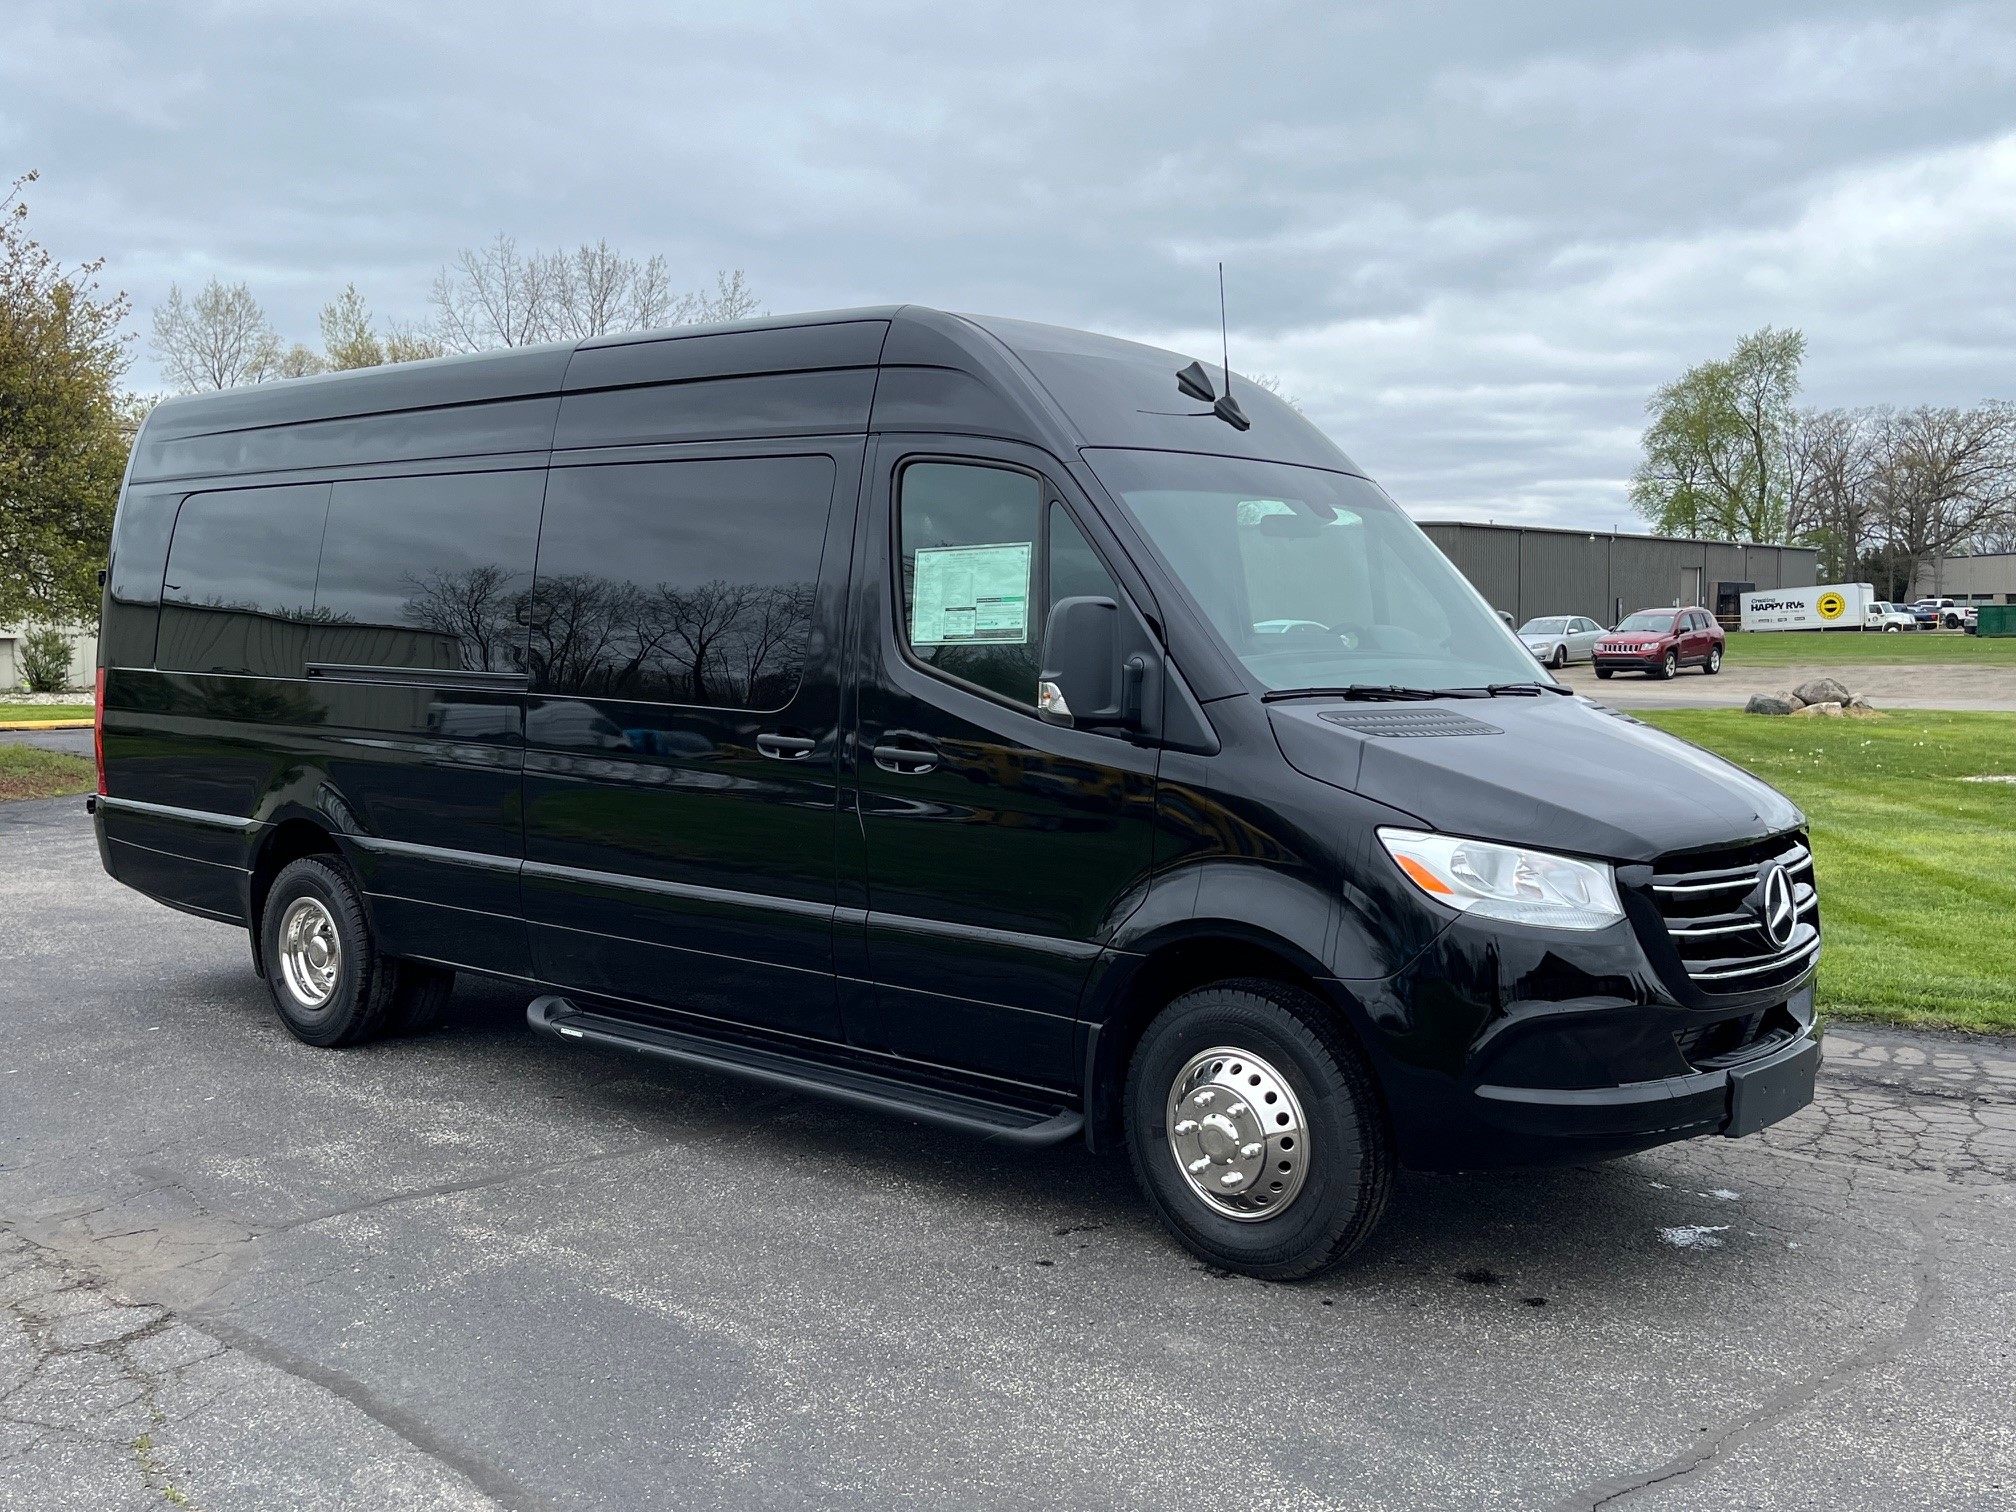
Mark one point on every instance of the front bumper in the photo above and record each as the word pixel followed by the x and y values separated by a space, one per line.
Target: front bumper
pixel 1734 1101
pixel 1630 661
pixel 1520 1047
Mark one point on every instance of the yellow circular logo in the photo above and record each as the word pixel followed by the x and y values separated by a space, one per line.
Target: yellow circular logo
pixel 1831 605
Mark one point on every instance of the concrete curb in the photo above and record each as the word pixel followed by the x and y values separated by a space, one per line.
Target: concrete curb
pixel 46 724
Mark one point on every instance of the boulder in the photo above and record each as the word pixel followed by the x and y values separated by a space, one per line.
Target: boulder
pixel 1860 704
pixel 1828 709
pixel 1822 690
pixel 1768 703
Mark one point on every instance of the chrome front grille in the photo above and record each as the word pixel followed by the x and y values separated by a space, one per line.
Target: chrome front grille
pixel 1714 905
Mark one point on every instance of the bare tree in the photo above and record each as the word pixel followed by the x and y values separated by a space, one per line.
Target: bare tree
pixel 1829 470
pixel 731 299
pixel 217 340
pixel 1271 382
pixel 493 297
pixel 497 296
pixel 1942 476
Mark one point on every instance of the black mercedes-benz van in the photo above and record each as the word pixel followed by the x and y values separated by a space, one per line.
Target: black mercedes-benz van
pixel 1028 732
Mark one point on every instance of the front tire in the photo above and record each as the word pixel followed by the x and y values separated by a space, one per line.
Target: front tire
pixel 1560 658
pixel 1256 1130
pixel 1670 667
pixel 1605 673
pixel 329 982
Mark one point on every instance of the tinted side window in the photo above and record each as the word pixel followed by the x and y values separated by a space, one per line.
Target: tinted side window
pixel 1075 568
pixel 968 538
pixel 427 572
pixel 679 582
pixel 239 591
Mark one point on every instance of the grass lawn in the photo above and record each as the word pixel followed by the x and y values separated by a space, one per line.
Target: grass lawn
pixel 31 772
pixel 1907 648
pixel 14 713
pixel 1917 869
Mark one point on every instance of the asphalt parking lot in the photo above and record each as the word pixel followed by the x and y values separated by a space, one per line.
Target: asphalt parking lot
pixel 475 1270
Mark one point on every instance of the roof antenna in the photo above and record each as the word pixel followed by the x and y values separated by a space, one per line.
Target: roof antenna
pixel 1227 408
pixel 1194 383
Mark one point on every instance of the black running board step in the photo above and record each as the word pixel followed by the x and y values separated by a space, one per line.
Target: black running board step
pixel 558 1018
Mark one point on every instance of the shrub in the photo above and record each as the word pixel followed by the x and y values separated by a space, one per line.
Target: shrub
pixel 45 660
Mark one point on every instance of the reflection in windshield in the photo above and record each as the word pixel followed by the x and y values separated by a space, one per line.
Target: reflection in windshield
pixel 1313 578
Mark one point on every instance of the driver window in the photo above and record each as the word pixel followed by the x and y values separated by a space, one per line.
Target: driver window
pixel 983 559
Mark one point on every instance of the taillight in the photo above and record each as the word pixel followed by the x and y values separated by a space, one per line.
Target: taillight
pixel 98 730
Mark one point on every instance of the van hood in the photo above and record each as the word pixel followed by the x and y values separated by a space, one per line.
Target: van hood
pixel 1561 774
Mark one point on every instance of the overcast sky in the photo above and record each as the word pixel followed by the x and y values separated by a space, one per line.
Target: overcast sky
pixel 1469 238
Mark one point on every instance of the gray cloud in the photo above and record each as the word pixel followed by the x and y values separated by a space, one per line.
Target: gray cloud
pixel 1471 238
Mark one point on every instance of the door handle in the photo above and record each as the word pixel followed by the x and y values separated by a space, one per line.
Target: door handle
pixel 785 747
pixel 909 761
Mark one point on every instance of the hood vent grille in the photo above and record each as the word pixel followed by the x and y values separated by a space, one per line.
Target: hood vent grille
pixel 1399 722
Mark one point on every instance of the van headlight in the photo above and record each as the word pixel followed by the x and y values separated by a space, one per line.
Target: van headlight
pixel 1507 881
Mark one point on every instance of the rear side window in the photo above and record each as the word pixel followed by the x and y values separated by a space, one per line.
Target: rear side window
pixel 980 572
pixel 679 582
pixel 239 590
pixel 429 572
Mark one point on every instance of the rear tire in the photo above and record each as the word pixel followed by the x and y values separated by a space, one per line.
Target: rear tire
pixel 330 985
pixel 1714 662
pixel 1301 1202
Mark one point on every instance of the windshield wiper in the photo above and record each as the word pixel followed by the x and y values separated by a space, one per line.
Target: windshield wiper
pixel 1372 693
pixel 1527 689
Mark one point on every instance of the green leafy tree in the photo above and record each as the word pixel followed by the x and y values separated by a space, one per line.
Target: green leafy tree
pixel 1716 452
pixel 347 338
pixel 64 426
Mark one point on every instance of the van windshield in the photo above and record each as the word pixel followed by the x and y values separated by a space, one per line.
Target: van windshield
pixel 1313 578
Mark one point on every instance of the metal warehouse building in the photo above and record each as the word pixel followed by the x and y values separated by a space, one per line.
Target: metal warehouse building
pixel 1527 571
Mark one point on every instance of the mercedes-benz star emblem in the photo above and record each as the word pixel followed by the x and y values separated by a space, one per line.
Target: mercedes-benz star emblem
pixel 1776 906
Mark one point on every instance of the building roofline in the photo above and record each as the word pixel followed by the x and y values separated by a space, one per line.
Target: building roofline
pixel 1620 535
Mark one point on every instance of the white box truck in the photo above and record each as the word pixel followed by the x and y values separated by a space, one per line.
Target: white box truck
pixel 1830 606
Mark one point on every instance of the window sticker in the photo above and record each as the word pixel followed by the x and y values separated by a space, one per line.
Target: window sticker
pixel 964 595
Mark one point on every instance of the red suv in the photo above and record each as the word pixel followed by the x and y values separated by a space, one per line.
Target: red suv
pixel 1660 642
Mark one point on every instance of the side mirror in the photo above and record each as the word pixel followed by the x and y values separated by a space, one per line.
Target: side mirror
pixel 1084 681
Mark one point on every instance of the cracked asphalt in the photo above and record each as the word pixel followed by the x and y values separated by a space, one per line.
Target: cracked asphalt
pixel 475 1270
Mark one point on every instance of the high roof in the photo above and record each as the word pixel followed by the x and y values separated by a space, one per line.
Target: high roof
pixel 920 370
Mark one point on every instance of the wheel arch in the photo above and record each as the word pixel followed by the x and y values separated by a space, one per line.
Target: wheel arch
pixel 1133 987
pixel 284 842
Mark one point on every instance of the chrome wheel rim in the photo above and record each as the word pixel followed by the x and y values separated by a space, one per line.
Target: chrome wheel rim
pixel 1237 1134
pixel 311 952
